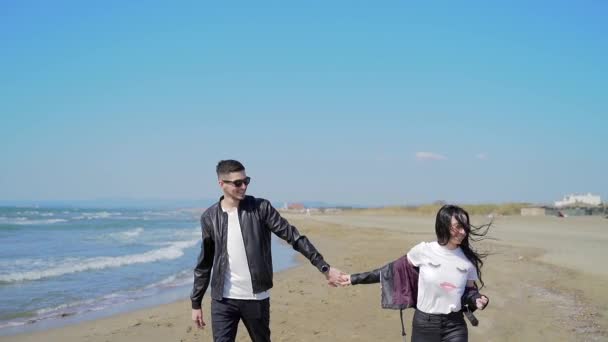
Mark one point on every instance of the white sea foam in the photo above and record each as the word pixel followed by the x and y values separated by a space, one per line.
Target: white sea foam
pixel 169 252
pixel 64 307
pixel 11 324
pixel 31 263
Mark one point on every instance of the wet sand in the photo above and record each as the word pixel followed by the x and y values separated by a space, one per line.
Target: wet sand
pixel 546 279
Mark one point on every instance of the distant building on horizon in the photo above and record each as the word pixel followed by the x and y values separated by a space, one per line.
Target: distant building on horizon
pixel 538 211
pixel 574 199
pixel 295 206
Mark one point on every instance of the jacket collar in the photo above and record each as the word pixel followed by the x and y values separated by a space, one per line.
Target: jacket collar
pixel 243 204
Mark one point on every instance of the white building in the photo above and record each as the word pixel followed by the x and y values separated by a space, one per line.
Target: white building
pixel 587 199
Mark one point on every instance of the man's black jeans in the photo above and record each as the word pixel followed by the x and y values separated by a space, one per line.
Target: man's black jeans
pixel 226 314
pixel 439 328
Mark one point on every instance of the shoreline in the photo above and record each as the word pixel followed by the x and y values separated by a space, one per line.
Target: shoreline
pixel 530 299
pixel 126 318
pixel 68 319
pixel 70 314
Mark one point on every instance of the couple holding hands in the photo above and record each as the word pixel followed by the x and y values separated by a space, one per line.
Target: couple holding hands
pixel 436 278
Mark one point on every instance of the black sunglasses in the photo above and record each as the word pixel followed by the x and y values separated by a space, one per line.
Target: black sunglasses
pixel 239 182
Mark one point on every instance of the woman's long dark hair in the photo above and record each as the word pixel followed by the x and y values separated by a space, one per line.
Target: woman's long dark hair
pixel 443 222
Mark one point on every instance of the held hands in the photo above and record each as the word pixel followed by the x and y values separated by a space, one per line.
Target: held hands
pixel 345 281
pixel 197 317
pixel 335 277
pixel 481 302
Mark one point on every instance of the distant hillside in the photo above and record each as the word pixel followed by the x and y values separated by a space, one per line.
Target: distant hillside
pixel 472 209
pixel 316 204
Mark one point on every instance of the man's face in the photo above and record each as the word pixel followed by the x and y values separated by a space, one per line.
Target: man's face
pixel 234 184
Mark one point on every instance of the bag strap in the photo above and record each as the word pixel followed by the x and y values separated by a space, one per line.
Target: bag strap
pixel 402 325
pixel 470 316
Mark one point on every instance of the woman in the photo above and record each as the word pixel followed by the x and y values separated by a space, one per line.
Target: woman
pixel 446 268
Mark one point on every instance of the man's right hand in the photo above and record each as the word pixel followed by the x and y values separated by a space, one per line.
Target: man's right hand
pixel 197 317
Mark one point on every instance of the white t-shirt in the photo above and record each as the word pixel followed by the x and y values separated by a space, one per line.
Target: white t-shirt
pixel 237 279
pixel 443 277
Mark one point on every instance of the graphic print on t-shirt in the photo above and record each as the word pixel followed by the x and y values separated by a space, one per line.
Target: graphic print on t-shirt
pixel 447 286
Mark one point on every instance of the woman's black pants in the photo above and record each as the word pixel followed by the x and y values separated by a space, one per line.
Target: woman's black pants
pixel 439 327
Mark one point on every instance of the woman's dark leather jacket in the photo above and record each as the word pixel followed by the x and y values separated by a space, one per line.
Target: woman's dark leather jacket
pixel 258 219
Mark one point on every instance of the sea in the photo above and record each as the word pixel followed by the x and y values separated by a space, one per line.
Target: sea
pixel 65 265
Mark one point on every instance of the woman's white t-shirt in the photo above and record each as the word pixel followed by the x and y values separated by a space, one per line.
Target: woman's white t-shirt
pixel 443 277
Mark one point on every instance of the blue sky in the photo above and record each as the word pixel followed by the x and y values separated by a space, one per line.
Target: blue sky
pixel 358 102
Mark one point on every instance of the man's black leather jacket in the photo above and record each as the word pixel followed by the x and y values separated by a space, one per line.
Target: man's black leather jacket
pixel 258 219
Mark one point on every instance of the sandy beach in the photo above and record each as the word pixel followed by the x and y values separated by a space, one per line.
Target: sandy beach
pixel 546 278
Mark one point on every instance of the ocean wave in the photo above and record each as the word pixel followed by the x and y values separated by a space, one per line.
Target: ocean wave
pixel 64 307
pixel 128 235
pixel 179 279
pixel 172 251
pixel 28 212
pixel 35 213
pixel 26 221
pixel 97 215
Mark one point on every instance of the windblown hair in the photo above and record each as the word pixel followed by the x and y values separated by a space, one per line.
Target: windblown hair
pixel 227 166
pixel 443 222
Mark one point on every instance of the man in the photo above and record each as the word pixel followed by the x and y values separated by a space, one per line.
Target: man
pixel 236 249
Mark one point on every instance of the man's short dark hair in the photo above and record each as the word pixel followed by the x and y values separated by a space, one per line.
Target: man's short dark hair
pixel 228 166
